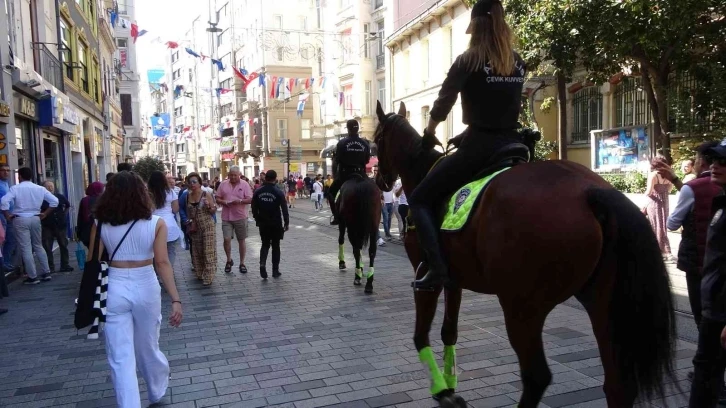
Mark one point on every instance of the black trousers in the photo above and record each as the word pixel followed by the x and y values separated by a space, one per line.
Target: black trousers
pixel 693 283
pixel 49 235
pixel 271 236
pixel 403 212
pixel 709 364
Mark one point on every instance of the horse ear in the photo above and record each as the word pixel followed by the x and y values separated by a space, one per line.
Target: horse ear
pixel 379 111
pixel 402 109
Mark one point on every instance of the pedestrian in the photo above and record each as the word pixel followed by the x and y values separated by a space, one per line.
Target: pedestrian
pixel 387 210
pixel 165 205
pixel 402 208
pixel 27 198
pixel 3 284
pixel 9 246
pixel 657 207
pixel 124 167
pixel 234 195
pixel 269 209
pixel 136 240
pixel 54 229
pixel 710 359
pixel 317 194
pixel 84 222
pixel 200 206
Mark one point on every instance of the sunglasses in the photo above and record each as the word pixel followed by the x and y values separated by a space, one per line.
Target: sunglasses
pixel 193 181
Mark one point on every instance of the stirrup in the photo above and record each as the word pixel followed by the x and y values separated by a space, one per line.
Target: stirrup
pixel 427 286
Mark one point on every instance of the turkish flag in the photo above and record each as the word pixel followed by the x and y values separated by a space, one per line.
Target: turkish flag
pixel 134 31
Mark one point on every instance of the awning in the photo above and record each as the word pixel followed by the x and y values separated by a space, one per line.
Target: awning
pixel 372 163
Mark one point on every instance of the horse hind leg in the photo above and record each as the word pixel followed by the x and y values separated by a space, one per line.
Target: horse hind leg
pixel 341 245
pixel 525 336
pixel 358 267
pixel 372 248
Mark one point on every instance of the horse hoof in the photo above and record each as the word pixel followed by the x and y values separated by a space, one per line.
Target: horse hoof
pixel 341 265
pixel 369 286
pixel 452 401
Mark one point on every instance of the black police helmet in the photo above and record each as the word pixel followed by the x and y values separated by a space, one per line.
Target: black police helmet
pixel 352 126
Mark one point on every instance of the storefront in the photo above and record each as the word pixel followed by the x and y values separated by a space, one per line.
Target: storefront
pixel 77 187
pixel 26 133
pixel 54 133
pixel 4 141
pixel 227 155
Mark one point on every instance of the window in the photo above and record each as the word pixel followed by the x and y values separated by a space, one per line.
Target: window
pixel 127 116
pixel 368 95
pixel 175 56
pixel 305 125
pixel 426 71
pixel 631 105
pixel 221 38
pixel 181 147
pixel 67 54
pixel 450 33
pixel 281 129
pixel 277 20
pixel 226 60
pixel 587 113
pixel 304 23
pixel 226 84
pixel 83 62
pixel 280 53
pixel 122 42
pixel 349 104
pixel 191 72
pixel 382 91
pixel 96 91
pixel 347 45
pixel 178 111
pixel 380 36
pixel 425 116
pixel 176 74
pixel 366 40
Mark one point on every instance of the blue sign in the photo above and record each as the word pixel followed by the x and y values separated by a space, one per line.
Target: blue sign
pixel 154 76
pixel 52 113
pixel 160 125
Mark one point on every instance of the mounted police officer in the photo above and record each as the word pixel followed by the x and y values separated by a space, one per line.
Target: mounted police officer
pixel 490 76
pixel 351 156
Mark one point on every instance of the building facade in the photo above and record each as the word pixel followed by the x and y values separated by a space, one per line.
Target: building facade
pixel 129 77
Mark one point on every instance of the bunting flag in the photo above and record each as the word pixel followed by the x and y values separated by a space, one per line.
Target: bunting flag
pixel 222 91
pixel 205 127
pixel 192 52
pixel 322 82
pixel 238 73
pixel 218 63
pixel 113 17
pixel 172 44
pixel 301 103
pixel 341 96
pixel 142 32
pixel 134 31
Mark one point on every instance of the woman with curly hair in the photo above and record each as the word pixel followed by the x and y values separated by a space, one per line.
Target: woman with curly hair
pixel 200 209
pixel 135 240
pixel 166 205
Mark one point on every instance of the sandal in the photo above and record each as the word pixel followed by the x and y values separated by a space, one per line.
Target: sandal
pixel 228 266
pixel 242 268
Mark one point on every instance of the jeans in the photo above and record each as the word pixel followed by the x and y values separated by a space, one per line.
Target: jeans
pixel 133 321
pixel 693 283
pixel 387 211
pixel 9 245
pixel 270 237
pixel 709 364
pixel 50 235
pixel 28 231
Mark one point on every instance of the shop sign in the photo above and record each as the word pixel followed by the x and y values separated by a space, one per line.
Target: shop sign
pixel 227 144
pixel 70 115
pixel 52 113
pixel 76 145
pixel 3 146
pixel 228 156
pixel 26 106
pixel 123 53
pixel 4 109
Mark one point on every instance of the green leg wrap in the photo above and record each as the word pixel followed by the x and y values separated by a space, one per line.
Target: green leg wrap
pixel 450 366
pixel 427 357
pixel 371 271
pixel 341 253
pixel 359 272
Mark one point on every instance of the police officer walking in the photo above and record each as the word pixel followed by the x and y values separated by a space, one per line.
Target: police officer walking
pixel 351 156
pixel 269 209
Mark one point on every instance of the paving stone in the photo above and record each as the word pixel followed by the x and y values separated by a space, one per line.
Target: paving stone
pixel 249 343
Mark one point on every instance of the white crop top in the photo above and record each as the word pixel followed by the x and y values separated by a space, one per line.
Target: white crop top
pixel 138 245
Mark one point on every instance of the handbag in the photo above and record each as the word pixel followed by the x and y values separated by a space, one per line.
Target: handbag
pixel 80 256
pixel 92 282
pixel 192 226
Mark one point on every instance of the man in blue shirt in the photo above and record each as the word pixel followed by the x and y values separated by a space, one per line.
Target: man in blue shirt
pixel 8 249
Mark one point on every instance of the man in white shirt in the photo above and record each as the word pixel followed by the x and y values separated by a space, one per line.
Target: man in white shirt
pixel 27 198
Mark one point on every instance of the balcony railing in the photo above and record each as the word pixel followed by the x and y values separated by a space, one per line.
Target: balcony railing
pixel 380 61
pixel 50 66
pixel 377 4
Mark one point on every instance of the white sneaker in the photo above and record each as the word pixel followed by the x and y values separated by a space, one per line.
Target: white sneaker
pixel 381 242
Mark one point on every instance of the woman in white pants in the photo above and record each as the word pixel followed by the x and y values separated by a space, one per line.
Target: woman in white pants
pixel 133 305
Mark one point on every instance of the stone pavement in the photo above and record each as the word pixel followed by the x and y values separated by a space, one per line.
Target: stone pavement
pixel 307 339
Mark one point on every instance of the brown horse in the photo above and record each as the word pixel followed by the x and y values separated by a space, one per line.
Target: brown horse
pixel 542 233
pixel 359 206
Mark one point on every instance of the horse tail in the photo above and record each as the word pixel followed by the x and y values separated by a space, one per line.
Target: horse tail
pixel 357 206
pixel 642 320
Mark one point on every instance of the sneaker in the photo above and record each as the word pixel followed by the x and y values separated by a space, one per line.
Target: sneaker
pixel 263 272
pixel 67 269
pixel 381 242
pixel 276 273
pixel 46 277
pixel 31 281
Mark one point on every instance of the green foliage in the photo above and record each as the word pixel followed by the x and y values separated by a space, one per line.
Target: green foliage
pixel 544 149
pixel 147 165
pixel 547 104
pixel 631 182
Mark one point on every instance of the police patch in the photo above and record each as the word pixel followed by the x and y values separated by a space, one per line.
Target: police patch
pixel 461 198
pixel 716 217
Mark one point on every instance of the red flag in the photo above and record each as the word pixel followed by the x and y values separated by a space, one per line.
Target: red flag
pixel 172 44
pixel 251 78
pixel 205 127
pixel 187 128
pixel 239 74
pixel 134 31
pixel 291 82
pixel 273 86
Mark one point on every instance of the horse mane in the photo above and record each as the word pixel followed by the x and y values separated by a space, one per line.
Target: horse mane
pixel 409 150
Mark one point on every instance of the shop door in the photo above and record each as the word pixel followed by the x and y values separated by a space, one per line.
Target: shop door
pixel 53 162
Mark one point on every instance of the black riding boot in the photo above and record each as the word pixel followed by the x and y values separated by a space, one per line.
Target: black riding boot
pixel 334 211
pixel 428 238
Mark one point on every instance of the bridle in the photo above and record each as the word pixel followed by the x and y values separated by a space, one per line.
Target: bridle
pixel 378 140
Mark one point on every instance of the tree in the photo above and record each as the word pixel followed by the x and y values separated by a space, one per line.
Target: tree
pixel 147 165
pixel 653 38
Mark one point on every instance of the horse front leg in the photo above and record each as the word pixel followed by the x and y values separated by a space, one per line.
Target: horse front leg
pixel 450 333
pixel 358 266
pixel 372 248
pixel 426 303
pixel 341 245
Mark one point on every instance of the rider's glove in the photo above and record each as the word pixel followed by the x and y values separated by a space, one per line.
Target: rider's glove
pixel 429 141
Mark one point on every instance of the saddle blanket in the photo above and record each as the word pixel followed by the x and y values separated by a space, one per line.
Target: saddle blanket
pixel 463 203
